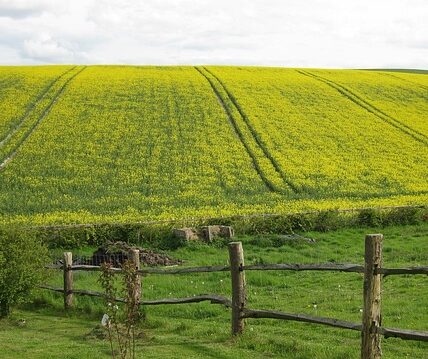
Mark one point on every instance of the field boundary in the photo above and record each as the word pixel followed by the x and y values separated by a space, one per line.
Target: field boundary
pixel 201 219
pixel 370 328
pixel 358 100
pixel 45 112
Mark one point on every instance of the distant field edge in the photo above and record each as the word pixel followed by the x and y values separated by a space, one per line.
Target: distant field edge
pixel 409 71
pixel 159 233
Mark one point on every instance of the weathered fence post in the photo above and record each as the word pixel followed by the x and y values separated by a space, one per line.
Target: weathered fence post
pixel 68 280
pixel 239 296
pixel 370 346
pixel 134 256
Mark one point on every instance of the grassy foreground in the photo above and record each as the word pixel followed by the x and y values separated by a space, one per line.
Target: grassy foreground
pixel 203 330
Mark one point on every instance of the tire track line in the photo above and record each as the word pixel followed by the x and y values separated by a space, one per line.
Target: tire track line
pixel 369 107
pixel 32 106
pixel 402 79
pixel 46 111
pixel 255 135
pixel 239 133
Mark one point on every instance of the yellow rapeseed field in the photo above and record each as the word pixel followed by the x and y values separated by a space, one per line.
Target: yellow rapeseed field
pixel 123 143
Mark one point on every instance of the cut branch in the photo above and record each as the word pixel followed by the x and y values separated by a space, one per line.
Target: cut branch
pixel 255 313
pixel 351 268
pixel 308 267
pixel 395 271
pixel 214 299
pixel 403 334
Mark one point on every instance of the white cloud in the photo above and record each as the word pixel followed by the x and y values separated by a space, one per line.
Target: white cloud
pixel 312 33
pixel 23 8
pixel 47 49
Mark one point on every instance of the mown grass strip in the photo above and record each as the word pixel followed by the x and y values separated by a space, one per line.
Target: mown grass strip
pixel 27 133
pixel 33 105
pixel 358 100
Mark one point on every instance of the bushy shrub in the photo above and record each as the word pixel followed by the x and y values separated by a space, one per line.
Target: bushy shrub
pixel 369 217
pixel 404 216
pixel 327 221
pixel 22 260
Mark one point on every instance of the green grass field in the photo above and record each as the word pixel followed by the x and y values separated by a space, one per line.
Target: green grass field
pixel 121 144
pixel 203 330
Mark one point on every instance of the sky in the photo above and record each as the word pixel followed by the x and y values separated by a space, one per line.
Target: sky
pixel 305 33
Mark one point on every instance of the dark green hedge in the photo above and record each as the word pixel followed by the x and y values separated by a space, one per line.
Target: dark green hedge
pixel 160 234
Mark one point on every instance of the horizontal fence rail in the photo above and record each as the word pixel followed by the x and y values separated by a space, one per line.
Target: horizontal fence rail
pixel 257 313
pixel 386 332
pixel 308 267
pixel 332 267
pixel 373 271
pixel 214 299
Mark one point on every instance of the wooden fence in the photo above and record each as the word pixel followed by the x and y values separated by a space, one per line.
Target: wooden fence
pixel 370 327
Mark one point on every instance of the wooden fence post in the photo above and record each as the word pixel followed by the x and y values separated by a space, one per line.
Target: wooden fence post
pixel 134 256
pixel 370 345
pixel 68 280
pixel 239 297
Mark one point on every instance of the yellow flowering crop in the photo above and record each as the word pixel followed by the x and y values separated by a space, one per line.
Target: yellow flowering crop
pixel 123 143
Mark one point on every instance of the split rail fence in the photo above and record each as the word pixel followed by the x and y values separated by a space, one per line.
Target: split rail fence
pixel 370 328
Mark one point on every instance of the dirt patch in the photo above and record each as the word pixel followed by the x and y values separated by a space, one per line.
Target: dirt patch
pixel 117 253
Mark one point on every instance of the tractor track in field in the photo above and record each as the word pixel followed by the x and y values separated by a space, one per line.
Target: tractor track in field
pixel 403 79
pixel 30 108
pixel 251 130
pixel 45 112
pixel 238 132
pixel 358 100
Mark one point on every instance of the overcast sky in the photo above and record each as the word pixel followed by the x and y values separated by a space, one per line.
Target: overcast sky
pixel 305 33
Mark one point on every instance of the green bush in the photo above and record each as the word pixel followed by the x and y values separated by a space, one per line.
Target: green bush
pixel 159 235
pixel 327 221
pixel 22 260
pixel 403 216
pixel 369 218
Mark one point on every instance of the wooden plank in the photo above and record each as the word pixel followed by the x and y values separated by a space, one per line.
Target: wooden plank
pixel 255 313
pixel 68 280
pixel 386 332
pixel 351 268
pixel 355 268
pixel 370 338
pixel 398 271
pixel 346 267
pixel 239 296
pixel 205 269
pixel 252 313
pixel 405 334
pixel 90 268
pixel 214 299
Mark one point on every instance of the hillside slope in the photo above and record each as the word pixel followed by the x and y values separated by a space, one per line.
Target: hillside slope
pixel 122 143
